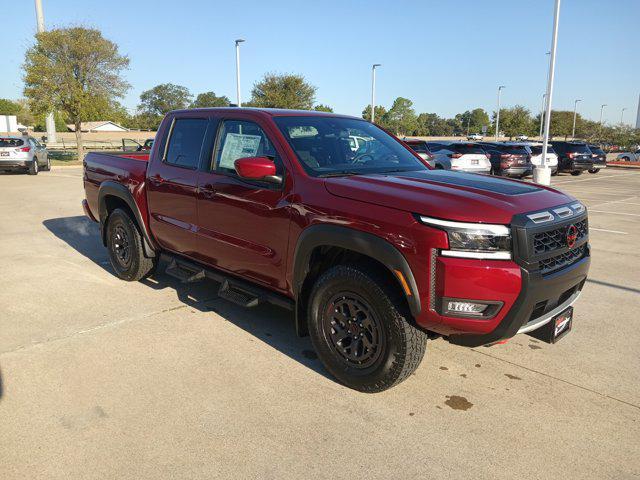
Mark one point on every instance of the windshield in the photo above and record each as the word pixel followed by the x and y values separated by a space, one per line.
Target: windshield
pixel 344 146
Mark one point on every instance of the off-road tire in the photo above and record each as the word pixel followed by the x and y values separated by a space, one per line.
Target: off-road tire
pixel 401 344
pixel 33 167
pixel 121 232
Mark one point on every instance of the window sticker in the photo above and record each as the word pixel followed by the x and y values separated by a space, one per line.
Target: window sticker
pixel 238 146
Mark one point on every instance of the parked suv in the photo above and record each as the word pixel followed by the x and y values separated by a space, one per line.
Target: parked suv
pixel 465 157
pixel 573 157
pixel 373 251
pixel 422 149
pixel 599 158
pixel 508 159
pixel 23 153
pixel 536 157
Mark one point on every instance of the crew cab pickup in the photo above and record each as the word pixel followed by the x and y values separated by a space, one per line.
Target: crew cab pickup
pixel 374 251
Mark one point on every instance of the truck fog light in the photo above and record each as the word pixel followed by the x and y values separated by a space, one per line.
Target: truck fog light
pixel 455 307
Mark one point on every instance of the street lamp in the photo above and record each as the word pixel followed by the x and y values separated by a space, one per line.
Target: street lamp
pixel 542 173
pixel 622 115
pixel 601 109
pixel 544 95
pixel 575 107
pixel 49 121
pixel 238 42
pixel 373 90
pixel 498 112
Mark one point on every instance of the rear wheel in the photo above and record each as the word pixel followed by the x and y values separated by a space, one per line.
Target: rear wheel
pixel 33 167
pixel 362 331
pixel 124 244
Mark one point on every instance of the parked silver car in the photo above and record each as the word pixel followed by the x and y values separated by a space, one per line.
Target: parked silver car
pixel 629 156
pixel 23 153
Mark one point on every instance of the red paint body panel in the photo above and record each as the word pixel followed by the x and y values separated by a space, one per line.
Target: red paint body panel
pixel 226 223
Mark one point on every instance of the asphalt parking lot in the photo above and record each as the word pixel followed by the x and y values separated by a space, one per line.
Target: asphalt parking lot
pixel 106 379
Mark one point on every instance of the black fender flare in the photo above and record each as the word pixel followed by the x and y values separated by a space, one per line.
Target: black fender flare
pixel 115 189
pixel 358 241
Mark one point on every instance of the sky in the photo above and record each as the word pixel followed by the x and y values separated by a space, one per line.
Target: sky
pixel 445 56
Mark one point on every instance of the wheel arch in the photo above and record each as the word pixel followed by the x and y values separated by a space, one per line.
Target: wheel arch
pixel 112 195
pixel 322 246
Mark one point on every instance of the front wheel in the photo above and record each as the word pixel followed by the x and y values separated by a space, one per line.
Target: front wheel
pixel 47 166
pixel 594 170
pixel 124 244
pixel 576 173
pixel 362 330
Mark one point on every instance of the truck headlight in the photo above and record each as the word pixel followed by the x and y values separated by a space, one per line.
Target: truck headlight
pixel 474 240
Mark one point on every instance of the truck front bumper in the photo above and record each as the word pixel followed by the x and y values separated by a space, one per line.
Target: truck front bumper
pixel 541 297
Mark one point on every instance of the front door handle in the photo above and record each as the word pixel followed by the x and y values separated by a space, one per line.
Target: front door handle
pixel 208 190
pixel 156 180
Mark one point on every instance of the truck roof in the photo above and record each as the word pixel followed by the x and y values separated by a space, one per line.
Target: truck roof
pixel 272 112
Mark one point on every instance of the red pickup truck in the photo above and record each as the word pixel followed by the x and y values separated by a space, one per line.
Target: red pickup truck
pixel 372 249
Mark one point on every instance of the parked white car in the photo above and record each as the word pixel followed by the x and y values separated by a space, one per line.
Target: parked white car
pixel 465 157
pixel 23 153
pixel 474 137
pixel 521 138
pixel 536 156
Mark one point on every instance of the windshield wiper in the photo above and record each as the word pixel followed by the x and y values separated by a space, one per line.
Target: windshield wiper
pixel 340 173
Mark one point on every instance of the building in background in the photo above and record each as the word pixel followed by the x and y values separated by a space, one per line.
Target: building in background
pixel 100 126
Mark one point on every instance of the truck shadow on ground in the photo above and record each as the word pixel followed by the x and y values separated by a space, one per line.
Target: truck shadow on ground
pixel 271 325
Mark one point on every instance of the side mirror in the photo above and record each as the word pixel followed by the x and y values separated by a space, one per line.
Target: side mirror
pixel 257 168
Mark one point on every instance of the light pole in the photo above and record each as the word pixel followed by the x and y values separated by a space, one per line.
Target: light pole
pixel 601 110
pixel 238 42
pixel 542 173
pixel 498 112
pixel 575 107
pixel 622 115
pixel 373 90
pixel 544 95
pixel 50 123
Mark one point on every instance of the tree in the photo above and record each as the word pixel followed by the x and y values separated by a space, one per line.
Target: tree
pixel 430 124
pixel 69 69
pixel 156 102
pixel 8 107
pixel 323 108
pixel 380 111
pixel 283 91
pixel 210 99
pixel 401 118
pixel 473 121
pixel 515 121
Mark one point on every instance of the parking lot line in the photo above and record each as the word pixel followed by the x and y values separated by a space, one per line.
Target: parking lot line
pixel 608 231
pixel 616 213
pixel 594 178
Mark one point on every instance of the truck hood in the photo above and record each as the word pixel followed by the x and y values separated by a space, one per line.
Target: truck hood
pixel 464 197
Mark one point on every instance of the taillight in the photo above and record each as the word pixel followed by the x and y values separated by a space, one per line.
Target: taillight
pixel 455 155
pixel 572 154
pixel 23 149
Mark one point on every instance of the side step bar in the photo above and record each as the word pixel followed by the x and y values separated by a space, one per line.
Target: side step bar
pixel 233 289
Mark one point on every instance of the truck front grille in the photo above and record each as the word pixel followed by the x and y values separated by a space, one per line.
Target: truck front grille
pixel 557 262
pixel 555 239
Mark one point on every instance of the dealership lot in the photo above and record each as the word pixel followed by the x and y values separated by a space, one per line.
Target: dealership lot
pixel 107 379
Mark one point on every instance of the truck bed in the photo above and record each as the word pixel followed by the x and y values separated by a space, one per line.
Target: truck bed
pixel 126 168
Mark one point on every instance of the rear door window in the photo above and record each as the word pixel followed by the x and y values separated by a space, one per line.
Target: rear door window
pixel 185 142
